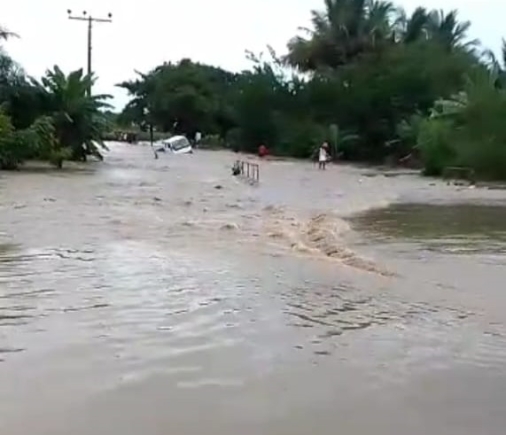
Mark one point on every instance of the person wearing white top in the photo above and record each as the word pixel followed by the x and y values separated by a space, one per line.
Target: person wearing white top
pixel 323 156
pixel 198 138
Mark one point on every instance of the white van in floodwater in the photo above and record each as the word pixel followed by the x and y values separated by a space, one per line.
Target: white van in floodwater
pixel 175 145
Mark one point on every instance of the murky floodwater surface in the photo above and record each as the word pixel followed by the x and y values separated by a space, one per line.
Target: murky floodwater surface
pixel 452 227
pixel 167 297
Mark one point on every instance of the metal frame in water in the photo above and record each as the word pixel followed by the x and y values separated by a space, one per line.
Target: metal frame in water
pixel 250 171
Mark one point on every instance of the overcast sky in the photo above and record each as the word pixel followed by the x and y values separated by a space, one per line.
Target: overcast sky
pixel 146 33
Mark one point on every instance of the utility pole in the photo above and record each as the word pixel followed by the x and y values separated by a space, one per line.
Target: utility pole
pixel 148 117
pixel 90 20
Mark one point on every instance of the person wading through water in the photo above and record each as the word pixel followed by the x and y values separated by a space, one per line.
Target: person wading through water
pixel 323 155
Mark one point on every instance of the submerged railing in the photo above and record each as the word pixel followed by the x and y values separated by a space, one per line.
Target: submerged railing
pixel 247 170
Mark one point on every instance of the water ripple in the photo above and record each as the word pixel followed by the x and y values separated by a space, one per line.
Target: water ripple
pixel 143 286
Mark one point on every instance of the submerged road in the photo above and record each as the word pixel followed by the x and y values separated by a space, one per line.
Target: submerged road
pixel 168 297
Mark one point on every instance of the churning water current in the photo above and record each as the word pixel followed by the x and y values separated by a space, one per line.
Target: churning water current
pixel 168 297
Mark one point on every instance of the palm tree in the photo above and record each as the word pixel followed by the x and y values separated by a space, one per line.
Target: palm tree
pixel 447 30
pixel 6 34
pixel 497 66
pixel 341 32
pixel 413 28
pixel 480 85
pixel 78 118
pixel 433 25
pixel 140 90
pixel 9 69
pixel 377 26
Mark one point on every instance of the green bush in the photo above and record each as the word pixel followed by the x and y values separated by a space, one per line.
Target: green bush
pixel 233 139
pixel 407 131
pixel 15 146
pixel 467 130
pixel 47 146
pixel 37 142
pixel 7 147
pixel 212 141
pixel 481 132
pixel 435 144
pixel 299 139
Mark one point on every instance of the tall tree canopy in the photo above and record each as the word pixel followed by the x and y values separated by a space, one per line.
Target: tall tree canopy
pixel 363 74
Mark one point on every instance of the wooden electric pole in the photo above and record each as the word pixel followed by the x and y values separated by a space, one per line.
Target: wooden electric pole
pixel 88 18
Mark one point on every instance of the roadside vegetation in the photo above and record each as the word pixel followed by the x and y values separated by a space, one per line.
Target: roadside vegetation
pixel 50 120
pixel 380 85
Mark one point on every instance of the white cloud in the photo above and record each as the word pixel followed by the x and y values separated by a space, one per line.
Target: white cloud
pixel 144 34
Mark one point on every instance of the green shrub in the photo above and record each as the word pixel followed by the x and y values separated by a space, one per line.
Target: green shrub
pixel 37 142
pixel 467 130
pixel 48 147
pixel 7 160
pixel 407 132
pixel 234 139
pixel 212 141
pixel 435 144
pixel 484 151
pixel 299 139
pixel 15 146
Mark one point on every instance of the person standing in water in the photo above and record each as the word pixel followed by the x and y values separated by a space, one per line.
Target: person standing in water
pixel 198 138
pixel 323 156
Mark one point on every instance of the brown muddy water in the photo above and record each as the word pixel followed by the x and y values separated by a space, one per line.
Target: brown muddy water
pixel 143 296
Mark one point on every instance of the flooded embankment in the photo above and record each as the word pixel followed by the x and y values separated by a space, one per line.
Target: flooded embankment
pixel 168 297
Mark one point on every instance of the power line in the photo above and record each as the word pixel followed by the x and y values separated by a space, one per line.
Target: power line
pixel 90 20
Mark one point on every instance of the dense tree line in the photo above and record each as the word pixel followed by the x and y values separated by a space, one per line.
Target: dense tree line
pixel 52 119
pixel 376 83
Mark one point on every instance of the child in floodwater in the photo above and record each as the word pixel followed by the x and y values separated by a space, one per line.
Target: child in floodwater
pixel 323 155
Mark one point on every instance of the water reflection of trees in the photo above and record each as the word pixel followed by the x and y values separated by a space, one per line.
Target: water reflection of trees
pixel 423 221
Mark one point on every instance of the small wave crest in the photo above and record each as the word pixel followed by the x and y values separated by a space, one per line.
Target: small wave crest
pixel 322 235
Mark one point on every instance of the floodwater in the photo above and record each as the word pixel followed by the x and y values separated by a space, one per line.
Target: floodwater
pixel 168 297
